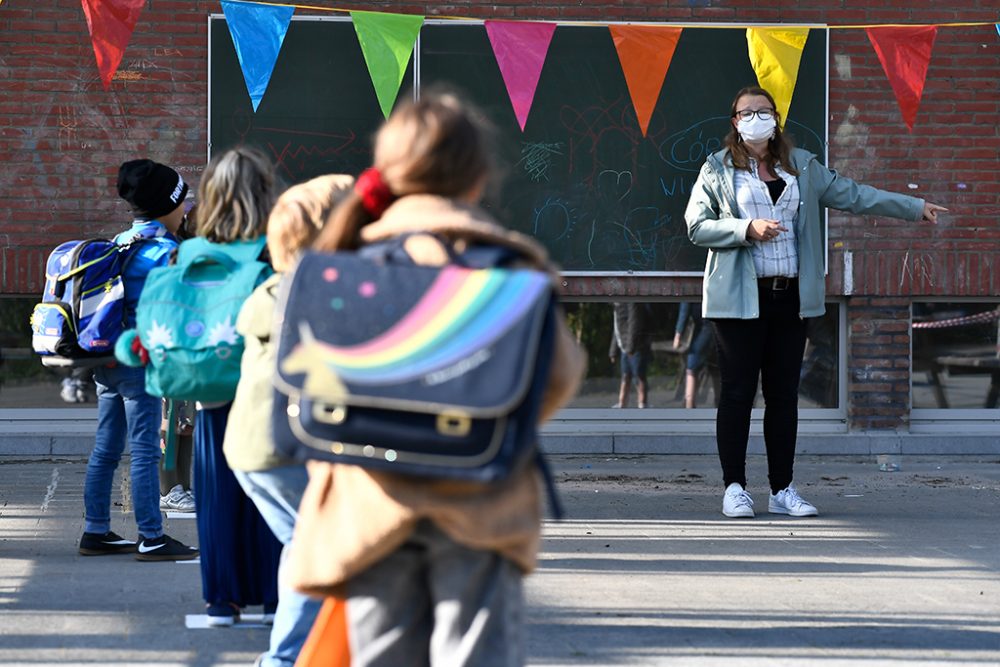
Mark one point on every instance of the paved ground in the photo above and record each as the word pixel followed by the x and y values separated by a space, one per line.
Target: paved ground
pixel 901 568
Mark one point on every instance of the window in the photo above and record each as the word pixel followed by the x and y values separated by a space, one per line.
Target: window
pixel 955 363
pixel 673 349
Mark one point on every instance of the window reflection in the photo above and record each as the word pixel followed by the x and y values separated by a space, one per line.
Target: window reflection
pixel 662 355
pixel 955 362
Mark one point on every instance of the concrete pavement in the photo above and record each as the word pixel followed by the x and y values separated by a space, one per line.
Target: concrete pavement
pixel 899 568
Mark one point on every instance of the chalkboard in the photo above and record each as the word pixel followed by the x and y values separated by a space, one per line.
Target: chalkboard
pixel 581 177
pixel 320 111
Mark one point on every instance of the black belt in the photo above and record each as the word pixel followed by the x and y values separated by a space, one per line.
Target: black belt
pixel 777 283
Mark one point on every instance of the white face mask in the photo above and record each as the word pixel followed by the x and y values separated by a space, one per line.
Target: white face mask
pixel 756 129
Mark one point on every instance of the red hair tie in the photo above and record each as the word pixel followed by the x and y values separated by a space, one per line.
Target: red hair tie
pixel 375 194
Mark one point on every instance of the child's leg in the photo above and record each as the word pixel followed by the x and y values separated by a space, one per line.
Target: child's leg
pixel 389 614
pixel 642 391
pixel 478 606
pixel 623 391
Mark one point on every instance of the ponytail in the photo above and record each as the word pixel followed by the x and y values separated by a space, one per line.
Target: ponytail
pixel 343 232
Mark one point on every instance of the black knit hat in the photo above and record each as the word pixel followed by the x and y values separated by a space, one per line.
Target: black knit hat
pixel 153 189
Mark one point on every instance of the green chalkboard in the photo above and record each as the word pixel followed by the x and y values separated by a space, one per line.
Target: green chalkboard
pixel 581 177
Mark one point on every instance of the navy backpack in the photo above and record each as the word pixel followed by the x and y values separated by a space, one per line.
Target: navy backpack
pixel 428 371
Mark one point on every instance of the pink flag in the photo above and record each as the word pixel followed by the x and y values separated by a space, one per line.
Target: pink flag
pixel 905 53
pixel 111 23
pixel 520 48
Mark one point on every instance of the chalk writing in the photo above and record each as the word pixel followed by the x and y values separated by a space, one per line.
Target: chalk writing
pixel 536 159
pixel 686 150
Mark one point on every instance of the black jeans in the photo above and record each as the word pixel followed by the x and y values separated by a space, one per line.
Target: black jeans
pixel 769 348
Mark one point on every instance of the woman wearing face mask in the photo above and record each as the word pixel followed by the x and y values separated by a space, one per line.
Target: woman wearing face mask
pixel 757 207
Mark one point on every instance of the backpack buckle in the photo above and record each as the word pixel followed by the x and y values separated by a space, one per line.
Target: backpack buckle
pixel 454 423
pixel 329 414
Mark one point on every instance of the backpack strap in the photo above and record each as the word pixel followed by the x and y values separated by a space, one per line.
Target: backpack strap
pixel 473 257
pixel 170 437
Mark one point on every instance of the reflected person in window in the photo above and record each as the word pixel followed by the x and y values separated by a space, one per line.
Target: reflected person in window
pixel 757 207
pixel 630 339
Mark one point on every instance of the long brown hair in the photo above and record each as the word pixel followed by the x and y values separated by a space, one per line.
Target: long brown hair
pixel 235 196
pixel 779 147
pixel 435 145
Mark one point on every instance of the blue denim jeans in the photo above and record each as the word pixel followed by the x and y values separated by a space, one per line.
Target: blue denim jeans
pixel 277 494
pixel 125 413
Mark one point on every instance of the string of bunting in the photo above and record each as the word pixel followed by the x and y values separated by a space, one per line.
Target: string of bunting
pixel 645 50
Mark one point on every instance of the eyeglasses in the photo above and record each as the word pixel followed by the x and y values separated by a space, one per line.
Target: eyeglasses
pixel 748 114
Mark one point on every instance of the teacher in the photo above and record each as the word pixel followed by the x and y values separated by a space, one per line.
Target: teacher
pixel 756 206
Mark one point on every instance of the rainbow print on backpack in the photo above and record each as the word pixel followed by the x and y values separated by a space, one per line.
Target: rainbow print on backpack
pixel 460 315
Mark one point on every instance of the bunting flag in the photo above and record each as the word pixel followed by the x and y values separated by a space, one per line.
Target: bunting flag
pixel 258 32
pixel 645 53
pixel 775 54
pixel 386 41
pixel 520 48
pixel 905 53
pixel 111 23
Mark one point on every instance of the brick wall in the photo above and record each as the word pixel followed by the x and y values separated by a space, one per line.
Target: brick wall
pixel 62 137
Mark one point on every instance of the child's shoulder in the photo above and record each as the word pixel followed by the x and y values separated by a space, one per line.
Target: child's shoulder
pixel 258 310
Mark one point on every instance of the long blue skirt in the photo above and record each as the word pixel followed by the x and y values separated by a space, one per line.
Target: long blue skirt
pixel 239 553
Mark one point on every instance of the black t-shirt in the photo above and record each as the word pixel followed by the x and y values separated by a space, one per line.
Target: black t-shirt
pixel 775 187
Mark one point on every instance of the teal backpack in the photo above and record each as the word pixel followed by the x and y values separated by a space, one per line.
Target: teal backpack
pixel 186 320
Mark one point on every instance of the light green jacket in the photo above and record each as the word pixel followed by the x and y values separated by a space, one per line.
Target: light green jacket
pixel 730 285
pixel 248 445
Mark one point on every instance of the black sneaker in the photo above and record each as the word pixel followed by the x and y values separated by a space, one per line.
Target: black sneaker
pixel 164 547
pixel 96 544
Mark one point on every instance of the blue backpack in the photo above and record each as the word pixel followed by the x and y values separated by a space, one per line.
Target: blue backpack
pixel 82 311
pixel 186 320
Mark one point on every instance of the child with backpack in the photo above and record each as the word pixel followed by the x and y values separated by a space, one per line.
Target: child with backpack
pixel 415 557
pixel 274 483
pixel 240 554
pixel 125 412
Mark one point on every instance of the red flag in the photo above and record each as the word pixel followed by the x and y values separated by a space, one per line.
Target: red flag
pixel 645 53
pixel 905 53
pixel 111 23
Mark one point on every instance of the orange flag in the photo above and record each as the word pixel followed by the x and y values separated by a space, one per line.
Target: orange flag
pixel 327 644
pixel 905 53
pixel 645 52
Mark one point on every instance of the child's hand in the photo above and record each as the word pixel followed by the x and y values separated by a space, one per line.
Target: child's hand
pixel 140 351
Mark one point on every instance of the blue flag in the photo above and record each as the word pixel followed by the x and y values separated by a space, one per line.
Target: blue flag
pixel 257 32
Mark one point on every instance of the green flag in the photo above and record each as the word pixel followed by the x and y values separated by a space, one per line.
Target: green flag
pixel 386 41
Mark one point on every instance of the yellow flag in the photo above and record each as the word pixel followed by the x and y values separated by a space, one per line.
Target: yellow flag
pixel 775 54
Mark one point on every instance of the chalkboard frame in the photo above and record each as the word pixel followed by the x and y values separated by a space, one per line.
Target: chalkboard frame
pixel 417 82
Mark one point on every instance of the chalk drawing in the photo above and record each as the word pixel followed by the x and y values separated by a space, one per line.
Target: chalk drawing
pixel 537 157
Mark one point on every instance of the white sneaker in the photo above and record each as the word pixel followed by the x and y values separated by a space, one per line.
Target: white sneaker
pixel 178 500
pixel 737 503
pixel 788 501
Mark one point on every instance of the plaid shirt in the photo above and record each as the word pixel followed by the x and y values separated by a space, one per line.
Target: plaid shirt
pixel 778 257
